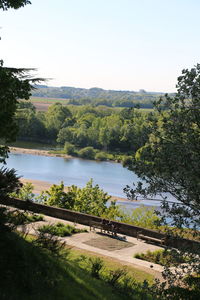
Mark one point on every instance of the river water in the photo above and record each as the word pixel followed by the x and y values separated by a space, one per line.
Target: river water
pixel 110 176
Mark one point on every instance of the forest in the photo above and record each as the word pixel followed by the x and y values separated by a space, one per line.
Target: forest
pixel 88 131
pixel 98 96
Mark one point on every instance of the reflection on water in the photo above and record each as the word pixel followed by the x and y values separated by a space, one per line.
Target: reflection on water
pixel 112 177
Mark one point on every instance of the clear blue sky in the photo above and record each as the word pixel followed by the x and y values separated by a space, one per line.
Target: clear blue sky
pixel 112 44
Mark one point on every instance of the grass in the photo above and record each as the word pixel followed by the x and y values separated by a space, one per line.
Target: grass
pixel 162 257
pixel 60 229
pixel 30 273
pixel 111 264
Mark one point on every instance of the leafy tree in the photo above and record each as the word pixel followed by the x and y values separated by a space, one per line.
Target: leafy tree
pixel 170 160
pixel 26 105
pixel 30 126
pixel 25 193
pixel 142 216
pixel 55 117
pixel 66 135
pixel 169 164
pixel 15 84
pixel 6 4
pixel 90 199
pixel 56 196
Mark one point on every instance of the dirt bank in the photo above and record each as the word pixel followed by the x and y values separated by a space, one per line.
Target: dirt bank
pixel 36 152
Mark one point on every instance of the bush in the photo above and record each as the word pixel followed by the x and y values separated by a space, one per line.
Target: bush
pixel 141 216
pixel 162 257
pixel 25 193
pixel 69 148
pixel 115 275
pixel 101 156
pixel 48 241
pixel 60 229
pixel 87 152
pixel 96 265
pixel 17 217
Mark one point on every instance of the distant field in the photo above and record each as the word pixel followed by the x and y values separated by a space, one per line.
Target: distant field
pixel 42 104
pixel 48 100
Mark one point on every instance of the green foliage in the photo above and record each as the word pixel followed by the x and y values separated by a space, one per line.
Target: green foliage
pixel 9 182
pixel 98 97
pixel 60 229
pixel 107 130
pixel 69 148
pixel 25 192
pixel 142 216
pixel 26 105
pixel 170 160
pixel 169 163
pixel 17 217
pixel 162 257
pixel 14 85
pixel 101 156
pixel 47 240
pixel 115 275
pixel 96 266
pixel 56 196
pixel 41 268
pixel 55 117
pixel 87 152
pixel 6 4
pixel 90 199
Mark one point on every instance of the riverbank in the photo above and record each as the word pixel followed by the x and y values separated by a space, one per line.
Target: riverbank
pixel 40 186
pixel 37 152
pixel 59 153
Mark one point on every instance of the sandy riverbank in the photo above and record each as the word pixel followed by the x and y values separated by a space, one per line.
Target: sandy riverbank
pixel 40 186
pixel 36 152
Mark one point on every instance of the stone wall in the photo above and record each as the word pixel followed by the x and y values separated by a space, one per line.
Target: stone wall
pixel 86 219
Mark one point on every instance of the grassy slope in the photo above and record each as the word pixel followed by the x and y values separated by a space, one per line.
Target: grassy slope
pixel 26 273
pixel 113 264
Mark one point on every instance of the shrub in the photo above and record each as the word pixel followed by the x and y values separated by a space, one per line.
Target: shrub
pixel 115 275
pixel 141 216
pixel 96 265
pixel 101 156
pixel 69 148
pixel 17 217
pixel 87 152
pixel 60 229
pixel 89 199
pixel 162 257
pixel 25 193
pixel 48 241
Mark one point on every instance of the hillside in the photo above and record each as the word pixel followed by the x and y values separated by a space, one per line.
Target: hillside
pixel 98 96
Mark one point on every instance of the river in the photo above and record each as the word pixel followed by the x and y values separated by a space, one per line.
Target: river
pixel 110 176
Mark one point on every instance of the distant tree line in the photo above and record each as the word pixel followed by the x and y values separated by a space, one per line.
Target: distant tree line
pixel 97 96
